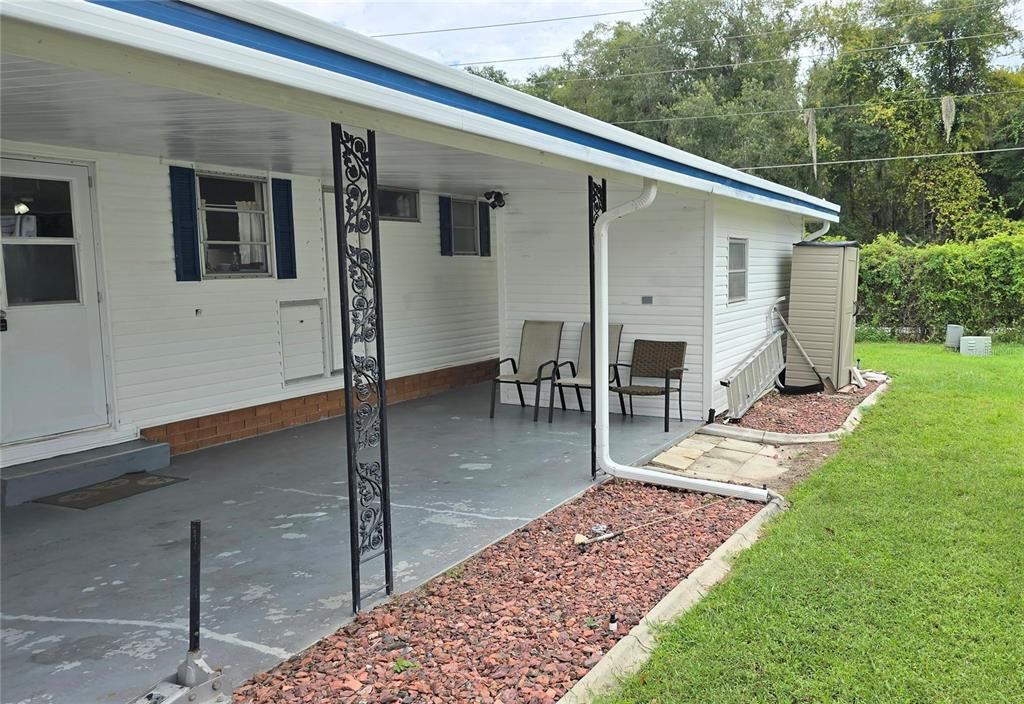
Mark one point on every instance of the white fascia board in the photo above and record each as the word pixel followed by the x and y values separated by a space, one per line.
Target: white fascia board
pixel 108 25
pixel 302 26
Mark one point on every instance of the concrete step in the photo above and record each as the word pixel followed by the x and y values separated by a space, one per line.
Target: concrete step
pixel 33 480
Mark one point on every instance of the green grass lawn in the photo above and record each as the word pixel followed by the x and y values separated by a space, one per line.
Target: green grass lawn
pixel 898 573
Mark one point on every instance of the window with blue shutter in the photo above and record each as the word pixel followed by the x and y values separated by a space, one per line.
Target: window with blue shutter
pixel 445 208
pixel 484 211
pixel 185 224
pixel 284 228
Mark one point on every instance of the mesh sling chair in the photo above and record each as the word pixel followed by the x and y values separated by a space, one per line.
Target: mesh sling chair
pixel 582 372
pixel 538 360
pixel 653 359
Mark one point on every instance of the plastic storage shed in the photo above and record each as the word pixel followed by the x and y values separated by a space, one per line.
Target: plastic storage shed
pixel 822 311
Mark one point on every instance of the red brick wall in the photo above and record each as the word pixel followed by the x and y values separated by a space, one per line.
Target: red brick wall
pixel 206 431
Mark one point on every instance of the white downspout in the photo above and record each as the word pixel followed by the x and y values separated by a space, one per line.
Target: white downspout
pixel 601 400
pixel 811 236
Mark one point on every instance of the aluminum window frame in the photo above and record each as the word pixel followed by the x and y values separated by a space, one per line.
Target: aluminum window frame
pixel 732 269
pixel 263 182
pixel 473 203
pixel 398 218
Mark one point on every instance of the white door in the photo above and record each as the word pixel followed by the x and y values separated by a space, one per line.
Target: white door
pixel 51 379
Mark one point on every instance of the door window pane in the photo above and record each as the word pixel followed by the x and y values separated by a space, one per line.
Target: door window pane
pixel 32 207
pixel 37 273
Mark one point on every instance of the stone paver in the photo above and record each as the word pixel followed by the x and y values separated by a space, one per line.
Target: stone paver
pixel 723 460
pixel 740 445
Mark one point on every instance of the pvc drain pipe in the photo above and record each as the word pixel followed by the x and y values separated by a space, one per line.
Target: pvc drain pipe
pixel 601 400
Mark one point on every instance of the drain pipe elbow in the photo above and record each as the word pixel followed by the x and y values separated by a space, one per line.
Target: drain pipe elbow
pixel 820 232
pixel 601 370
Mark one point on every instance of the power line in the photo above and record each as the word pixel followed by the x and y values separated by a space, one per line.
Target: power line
pixel 816 108
pixel 692 69
pixel 508 24
pixel 882 158
pixel 702 40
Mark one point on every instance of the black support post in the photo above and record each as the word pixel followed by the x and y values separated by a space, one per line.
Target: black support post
pixel 362 338
pixel 195 556
pixel 597 203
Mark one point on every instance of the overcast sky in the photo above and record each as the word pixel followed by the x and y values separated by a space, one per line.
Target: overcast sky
pixel 375 18
pixel 493 44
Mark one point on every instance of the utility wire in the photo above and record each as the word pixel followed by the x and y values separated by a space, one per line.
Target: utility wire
pixel 508 24
pixel 817 108
pixel 703 40
pixel 692 69
pixel 882 158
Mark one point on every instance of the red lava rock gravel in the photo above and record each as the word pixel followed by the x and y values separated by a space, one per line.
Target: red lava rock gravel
pixel 806 413
pixel 523 620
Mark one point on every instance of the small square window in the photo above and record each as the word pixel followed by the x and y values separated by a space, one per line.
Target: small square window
pixel 398 204
pixel 737 270
pixel 465 233
pixel 233 225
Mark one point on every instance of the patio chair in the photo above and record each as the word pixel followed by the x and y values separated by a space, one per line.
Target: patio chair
pixel 538 360
pixel 654 359
pixel 582 372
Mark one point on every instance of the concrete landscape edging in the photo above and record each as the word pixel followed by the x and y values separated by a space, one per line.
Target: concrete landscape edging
pixel 771 437
pixel 633 650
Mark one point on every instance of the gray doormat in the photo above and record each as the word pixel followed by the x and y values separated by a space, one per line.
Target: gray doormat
pixel 110 490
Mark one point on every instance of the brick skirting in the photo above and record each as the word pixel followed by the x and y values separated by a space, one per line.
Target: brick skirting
pixel 206 431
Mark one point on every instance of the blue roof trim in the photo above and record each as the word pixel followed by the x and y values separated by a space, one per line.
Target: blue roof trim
pixel 217 26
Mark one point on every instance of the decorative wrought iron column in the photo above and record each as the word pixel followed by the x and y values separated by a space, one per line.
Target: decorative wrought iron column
pixel 597 203
pixel 362 338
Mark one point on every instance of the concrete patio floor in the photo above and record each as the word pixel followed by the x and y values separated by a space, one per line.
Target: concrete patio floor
pixel 94 602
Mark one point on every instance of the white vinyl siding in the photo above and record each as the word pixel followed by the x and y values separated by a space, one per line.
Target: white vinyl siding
pixel 740 326
pixel 439 311
pixel 186 349
pixel 656 252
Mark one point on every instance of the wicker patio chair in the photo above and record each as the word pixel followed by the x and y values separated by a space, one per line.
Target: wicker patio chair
pixel 581 373
pixel 654 359
pixel 538 360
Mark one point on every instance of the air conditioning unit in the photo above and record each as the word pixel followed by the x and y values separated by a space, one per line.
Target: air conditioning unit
pixel 976 346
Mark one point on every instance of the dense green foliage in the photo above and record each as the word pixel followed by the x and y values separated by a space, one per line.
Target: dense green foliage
pixel 729 80
pixel 917 291
pixel 896 576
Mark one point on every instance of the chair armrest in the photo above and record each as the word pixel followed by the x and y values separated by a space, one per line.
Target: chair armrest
pixel 553 363
pixel 515 369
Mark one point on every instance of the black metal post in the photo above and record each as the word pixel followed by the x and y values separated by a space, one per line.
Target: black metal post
pixel 195 546
pixel 358 235
pixel 597 203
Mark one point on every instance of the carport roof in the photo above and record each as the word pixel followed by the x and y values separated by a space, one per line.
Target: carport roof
pixel 266 41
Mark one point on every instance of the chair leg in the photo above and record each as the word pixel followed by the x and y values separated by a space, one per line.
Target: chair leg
pixel 631 405
pixel 680 406
pixel 561 396
pixel 579 398
pixel 551 404
pixel 494 392
pixel 667 399
pixel 536 402
pixel 519 388
pixel 622 405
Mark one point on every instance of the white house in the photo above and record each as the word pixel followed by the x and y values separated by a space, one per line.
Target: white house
pixel 169 228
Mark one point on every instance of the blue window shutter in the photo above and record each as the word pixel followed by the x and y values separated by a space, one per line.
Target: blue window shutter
pixel 284 228
pixel 485 229
pixel 185 224
pixel 447 240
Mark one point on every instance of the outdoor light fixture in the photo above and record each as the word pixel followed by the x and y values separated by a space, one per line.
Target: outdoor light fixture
pixel 496 199
pixel 22 209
